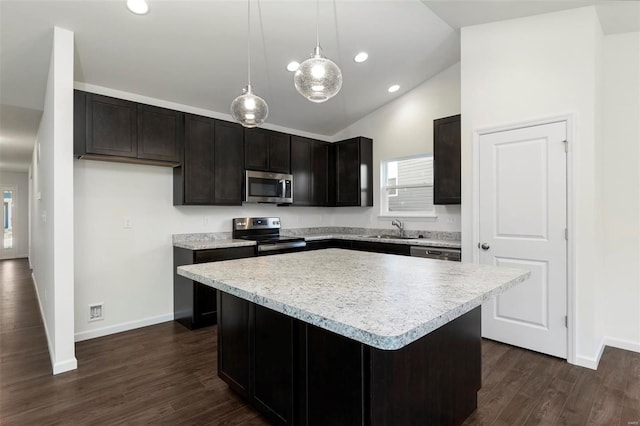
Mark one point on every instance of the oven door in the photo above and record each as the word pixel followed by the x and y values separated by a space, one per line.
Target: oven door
pixel 264 187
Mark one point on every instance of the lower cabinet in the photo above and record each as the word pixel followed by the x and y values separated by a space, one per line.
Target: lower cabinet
pixel 195 304
pixel 255 355
pixel 296 373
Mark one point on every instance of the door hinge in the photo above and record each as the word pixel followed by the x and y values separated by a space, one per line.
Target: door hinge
pixel 566 146
pixel 566 234
pixel 566 321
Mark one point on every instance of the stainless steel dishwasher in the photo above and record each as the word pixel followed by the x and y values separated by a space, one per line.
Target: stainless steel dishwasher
pixel 437 253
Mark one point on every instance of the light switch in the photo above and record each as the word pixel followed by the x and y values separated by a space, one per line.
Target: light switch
pixel 128 222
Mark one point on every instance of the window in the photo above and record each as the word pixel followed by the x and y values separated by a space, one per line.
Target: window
pixel 407 186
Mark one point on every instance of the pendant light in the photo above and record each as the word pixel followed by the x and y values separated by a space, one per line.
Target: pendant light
pixel 249 109
pixel 318 78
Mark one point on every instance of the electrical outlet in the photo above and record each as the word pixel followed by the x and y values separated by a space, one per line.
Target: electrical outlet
pixel 96 312
pixel 205 220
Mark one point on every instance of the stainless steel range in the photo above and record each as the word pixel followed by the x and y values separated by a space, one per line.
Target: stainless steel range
pixel 266 232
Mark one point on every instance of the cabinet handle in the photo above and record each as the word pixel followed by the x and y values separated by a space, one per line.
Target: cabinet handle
pixel 485 246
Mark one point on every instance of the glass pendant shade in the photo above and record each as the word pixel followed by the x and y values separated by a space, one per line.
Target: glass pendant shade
pixel 318 79
pixel 248 109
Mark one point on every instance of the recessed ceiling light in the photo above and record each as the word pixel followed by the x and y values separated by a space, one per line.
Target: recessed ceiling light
pixel 361 57
pixel 139 7
pixel 293 66
pixel 393 88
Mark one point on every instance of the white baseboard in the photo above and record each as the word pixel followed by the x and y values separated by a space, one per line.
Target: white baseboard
pixel 592 362
pixel 44 322
pixel 125 326
pixel 64 366
pixel 627 345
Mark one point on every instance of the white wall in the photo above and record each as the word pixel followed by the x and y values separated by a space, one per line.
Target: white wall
pixel 534 68
pixel 131 270
pixel 619 291
pixel 403 128
pixel 19 181
pixel 52 206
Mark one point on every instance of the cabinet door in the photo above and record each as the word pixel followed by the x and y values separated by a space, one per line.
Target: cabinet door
pixel 446 160
pixel 266 150
pixel 279 153
pixel 228 162
pixel 348 173
pixel 234 356
pixel 198 156
pixel 204 305
pixel 273 364
pixel 256 149
pixel 111 126
pixel 301 170
pixel 320 173
pixel 160 133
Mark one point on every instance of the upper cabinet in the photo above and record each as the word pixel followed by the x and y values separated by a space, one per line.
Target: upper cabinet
pixel 160 133
pixel 312 169
pixel 354 172
pixel 446 160
pixel 113 129
pixel 266 150
pixel 212 170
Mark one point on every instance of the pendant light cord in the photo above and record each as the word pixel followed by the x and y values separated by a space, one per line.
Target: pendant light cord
pixel 317 23
pixel 249 42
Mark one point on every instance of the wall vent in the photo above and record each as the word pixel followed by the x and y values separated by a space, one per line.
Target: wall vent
pixel 96 312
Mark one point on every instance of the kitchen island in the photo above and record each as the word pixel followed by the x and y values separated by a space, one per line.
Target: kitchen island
pixel 345 337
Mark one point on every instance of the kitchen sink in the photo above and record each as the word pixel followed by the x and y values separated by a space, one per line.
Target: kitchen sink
pixel 388 237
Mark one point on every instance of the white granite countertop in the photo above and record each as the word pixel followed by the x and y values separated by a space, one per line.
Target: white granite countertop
pixel 213 244
pixel 226 243
pixel 409 242
pixel 381 300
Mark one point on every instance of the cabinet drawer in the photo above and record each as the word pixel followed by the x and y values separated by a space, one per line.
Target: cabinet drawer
pixel 216 255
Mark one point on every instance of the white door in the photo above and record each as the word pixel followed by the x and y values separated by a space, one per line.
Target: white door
pixel 523 210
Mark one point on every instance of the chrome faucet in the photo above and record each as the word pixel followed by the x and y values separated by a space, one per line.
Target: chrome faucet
pixel 397 223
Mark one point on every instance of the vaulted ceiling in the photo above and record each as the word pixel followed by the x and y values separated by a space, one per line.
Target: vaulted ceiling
pixel 195 53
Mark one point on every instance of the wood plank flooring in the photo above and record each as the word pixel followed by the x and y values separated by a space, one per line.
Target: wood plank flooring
pixel 166 375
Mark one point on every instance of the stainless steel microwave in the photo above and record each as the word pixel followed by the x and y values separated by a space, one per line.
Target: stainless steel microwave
pixel 265 187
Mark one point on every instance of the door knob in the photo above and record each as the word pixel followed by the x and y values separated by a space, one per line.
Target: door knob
pixel 485 246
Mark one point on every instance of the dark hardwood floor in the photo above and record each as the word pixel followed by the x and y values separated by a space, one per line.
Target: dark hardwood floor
pixel 166 374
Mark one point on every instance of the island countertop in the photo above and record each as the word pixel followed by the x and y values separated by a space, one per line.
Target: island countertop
pixel 381 300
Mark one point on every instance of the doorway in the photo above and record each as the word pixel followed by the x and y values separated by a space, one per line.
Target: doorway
pixel 8 235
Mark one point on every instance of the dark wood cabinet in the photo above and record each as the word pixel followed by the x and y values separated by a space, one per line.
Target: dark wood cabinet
pixel 111 129
pixel 312 169
pixel 297 373
pixel 273 345
pixel 266 150
pixel 446 160
pixel 376 247
pixel 195 304
pixel 228 159
pixel 212 170
pixel 301 170
pixel 255 351
pixel 111 126
pixel 234 346
pixel 160 133
pixel 354 172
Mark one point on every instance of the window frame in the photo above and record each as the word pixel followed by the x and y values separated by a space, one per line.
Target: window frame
pixel 384 198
